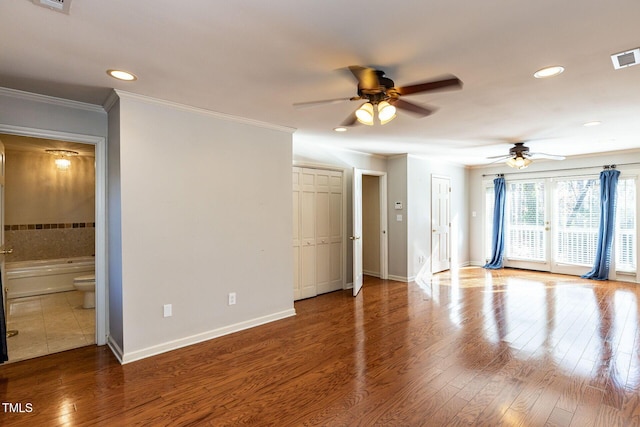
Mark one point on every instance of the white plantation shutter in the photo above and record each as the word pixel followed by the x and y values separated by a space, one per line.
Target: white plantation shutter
pixel 577 220
pixel 625 238
pixel 525 221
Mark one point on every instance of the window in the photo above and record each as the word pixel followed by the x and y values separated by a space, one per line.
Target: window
pixel 577 221
pixel 525 221
pixel 625 240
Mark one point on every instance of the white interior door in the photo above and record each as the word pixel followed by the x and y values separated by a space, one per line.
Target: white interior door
pixel 440 222
pixel 357 231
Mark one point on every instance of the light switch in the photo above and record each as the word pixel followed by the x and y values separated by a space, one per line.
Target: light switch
pixel 399 218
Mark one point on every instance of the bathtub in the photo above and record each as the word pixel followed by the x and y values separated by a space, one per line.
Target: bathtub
pixel 28 278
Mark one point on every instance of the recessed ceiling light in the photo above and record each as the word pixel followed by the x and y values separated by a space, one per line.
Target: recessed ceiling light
pixel 548 72
pixel 122 75
pixel 340 129
pixel 593 123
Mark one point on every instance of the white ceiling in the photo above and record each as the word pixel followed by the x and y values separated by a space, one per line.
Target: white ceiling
pixel 254 59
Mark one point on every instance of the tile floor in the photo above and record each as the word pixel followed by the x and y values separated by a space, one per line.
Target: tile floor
pixel 48 324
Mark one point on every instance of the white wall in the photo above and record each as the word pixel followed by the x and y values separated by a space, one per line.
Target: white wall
pixel 22 109
pixel 591 164
pixel 205 210
pixel 397 185
pixel 116 325
pixel 371 225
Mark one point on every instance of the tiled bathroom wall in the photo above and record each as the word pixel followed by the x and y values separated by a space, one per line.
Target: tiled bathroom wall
pixel 49 241
pixel 49 213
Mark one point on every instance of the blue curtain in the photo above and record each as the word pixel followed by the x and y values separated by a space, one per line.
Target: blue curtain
pixel 497 241
pixel 608 185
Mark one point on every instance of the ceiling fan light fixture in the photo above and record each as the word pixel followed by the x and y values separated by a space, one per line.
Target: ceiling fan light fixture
pixel 549 72
pixel 386 112
pixel 364 114
pixel 519 162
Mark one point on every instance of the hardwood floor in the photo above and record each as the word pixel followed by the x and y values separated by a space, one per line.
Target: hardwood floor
pixel 472 347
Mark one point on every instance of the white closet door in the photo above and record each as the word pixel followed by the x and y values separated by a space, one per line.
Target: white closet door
pixel 323 238
pixel 336 232
pixel 308 234
pixel 297 188
pixel 318 241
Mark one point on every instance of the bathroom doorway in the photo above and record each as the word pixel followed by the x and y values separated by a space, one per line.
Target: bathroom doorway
pixel 374 225
pixel 50 226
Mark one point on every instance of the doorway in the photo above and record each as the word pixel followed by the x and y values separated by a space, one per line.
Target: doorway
pixel 97 333
pixel 369 237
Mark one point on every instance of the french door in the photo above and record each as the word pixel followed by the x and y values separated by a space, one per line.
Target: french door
pixel 552 224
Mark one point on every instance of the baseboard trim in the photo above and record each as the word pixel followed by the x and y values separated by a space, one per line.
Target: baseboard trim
pixel 115 349
pixel 401 278
pixel 205 336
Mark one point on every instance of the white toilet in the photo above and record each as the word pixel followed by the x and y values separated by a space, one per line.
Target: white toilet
pixel 87 285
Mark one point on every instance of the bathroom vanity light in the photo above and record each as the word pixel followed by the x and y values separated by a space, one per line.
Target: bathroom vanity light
pixel 62 160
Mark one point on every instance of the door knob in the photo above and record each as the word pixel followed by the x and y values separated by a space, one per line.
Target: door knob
pixel 354 237
pixel 6 251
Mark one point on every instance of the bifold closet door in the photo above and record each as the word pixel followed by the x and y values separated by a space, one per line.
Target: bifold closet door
pixel 297 189
pixel 308 281
pixel 336 232
pixel 317 231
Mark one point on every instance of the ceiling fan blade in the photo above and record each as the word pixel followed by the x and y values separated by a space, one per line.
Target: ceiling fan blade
pixel 367 77
pixel 301 105
pixel 499 157
pixel 449 83
pixel 410 107
pixel 350 121
pixel 546 156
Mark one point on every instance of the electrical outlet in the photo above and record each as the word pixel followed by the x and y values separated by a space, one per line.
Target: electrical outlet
pixel 167 310
pixel 232 298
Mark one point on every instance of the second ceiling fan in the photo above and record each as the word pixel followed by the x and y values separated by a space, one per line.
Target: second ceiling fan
pixel 383 97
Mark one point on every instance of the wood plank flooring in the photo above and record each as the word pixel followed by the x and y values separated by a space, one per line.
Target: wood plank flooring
pixel 469 347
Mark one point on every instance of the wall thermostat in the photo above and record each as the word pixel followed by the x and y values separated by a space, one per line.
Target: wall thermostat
pixel 398 205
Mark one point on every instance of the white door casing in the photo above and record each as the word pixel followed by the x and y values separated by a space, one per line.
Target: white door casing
pixel 100 144
pixel 357 231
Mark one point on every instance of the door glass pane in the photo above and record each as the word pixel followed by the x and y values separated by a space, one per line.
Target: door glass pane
pixel 626 225
pixel 577 220
pixel 525 223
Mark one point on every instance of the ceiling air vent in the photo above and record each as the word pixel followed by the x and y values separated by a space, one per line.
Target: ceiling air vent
pixel 57 5
pixel 626 59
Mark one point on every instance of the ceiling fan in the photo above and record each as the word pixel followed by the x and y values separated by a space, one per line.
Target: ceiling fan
pixel 382 98
pixel 519 156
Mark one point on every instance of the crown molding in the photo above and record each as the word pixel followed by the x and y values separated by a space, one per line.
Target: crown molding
pixel 228 117
pixel 45 99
